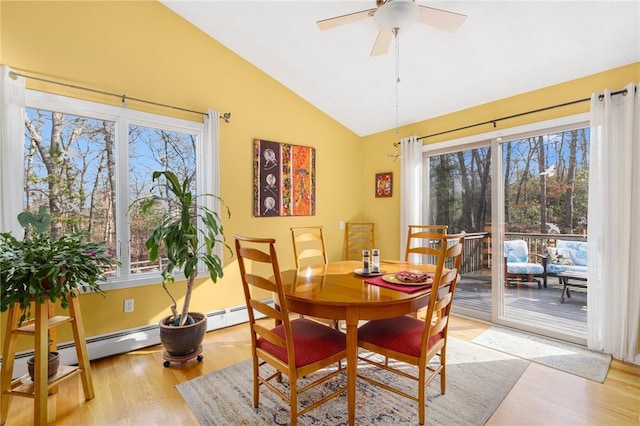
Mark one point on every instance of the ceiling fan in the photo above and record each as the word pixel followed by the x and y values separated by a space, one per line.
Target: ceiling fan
pixel 395 15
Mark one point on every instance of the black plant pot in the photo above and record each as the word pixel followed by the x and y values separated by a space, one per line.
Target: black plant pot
pixel 185 340
pixel 52 367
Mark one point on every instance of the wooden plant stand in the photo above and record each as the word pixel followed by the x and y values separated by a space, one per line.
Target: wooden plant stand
pixel 42 327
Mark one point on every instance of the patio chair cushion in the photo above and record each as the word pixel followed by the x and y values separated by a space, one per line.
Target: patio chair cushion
pixel 577 249
pixel 554 269
pixel 516 251
pixel 525 268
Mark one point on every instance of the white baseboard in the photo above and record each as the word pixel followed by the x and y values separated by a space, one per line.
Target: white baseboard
pixel 129 340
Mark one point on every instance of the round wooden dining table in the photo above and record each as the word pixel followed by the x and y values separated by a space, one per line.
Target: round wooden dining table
pixel 335 291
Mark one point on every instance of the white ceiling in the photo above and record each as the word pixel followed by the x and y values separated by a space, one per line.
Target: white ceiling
pixel 503 48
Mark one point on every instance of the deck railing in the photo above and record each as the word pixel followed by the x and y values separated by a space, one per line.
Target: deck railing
pixel 473 256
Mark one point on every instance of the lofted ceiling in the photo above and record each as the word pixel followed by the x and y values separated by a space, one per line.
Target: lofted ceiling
pixel 502 49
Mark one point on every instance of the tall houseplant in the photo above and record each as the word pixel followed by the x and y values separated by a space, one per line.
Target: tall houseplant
pixel 184 244
pixel 41 267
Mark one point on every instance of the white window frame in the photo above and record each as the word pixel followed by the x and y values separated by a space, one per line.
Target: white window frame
pixel 206 181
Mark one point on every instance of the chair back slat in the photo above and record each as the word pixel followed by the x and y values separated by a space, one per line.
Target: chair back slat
pixel 260 282
pixel 254 254
pixel 270 336
pixel 266 310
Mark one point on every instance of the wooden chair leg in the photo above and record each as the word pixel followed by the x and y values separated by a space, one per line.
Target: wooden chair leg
pixel 8 357
pixel 293 402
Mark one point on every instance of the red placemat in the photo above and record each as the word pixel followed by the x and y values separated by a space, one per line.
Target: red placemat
pixel 403 288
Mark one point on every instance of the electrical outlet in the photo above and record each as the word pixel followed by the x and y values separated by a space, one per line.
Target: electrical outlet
pixel 342 224
pixel 128 305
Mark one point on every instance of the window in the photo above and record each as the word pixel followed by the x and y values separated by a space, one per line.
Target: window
pixel 460 189
pixel 546 182
pixel 86 162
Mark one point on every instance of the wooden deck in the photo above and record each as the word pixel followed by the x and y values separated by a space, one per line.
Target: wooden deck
pixel 526 303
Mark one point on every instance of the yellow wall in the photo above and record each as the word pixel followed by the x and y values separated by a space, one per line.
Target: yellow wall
pixel 144 50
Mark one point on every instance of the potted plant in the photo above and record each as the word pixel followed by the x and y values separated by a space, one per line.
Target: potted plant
pixel 41 267
pixel 178 237
pixel 53 363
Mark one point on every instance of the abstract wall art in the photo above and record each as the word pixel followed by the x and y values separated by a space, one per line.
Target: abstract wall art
pixel 284 179
pixel 384 184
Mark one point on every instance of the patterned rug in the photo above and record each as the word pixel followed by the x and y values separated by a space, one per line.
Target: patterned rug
pixel 563 356
pixel 478 379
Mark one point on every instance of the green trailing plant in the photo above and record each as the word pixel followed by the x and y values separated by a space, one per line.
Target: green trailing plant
pixel 185 245
pixel 39 267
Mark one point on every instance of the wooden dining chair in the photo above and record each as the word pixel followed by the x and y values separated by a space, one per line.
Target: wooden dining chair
pixel 309 250
pixel 308 246
pixel 358 236
pixel 414 341
pixel 295 348
pixel 423 240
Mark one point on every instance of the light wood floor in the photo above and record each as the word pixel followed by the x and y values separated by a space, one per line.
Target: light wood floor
pixel 135 389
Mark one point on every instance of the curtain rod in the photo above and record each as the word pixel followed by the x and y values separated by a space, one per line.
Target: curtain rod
pixel 13 74
pixel 494 121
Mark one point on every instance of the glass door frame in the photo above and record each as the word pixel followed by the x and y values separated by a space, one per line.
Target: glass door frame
pixel 494 140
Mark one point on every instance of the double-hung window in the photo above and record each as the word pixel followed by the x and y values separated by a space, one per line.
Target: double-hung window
pixel 86 162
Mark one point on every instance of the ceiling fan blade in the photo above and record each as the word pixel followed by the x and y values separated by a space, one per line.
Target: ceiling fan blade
pixel 381 46
pixel 325 24
pixel 442 19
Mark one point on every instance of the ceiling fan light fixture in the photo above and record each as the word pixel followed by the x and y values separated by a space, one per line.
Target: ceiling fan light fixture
pixel 396 14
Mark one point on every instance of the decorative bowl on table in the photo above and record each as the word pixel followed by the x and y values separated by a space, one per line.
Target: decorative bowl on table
pixel 408 278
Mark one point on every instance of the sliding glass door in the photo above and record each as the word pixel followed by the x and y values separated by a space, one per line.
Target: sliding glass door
pixel 459 195
pixel 540 199
pixel 544 203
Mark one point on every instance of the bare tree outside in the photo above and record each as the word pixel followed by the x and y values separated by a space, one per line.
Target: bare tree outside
pixel 151 150
pixel 67 170
pixel 461 190
pixel 549 193
pixel 70 167
pixel 545 185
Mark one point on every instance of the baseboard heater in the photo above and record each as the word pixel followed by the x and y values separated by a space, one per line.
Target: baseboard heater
pixel 129 340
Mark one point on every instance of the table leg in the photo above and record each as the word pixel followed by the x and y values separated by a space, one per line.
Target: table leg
pixel 40 382
pixel 565 288
pixel 352 363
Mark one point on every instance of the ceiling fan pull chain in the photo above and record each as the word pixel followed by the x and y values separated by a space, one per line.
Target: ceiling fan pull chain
pixel 396 32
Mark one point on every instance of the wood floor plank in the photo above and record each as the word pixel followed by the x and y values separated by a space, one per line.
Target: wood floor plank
pixel 135 389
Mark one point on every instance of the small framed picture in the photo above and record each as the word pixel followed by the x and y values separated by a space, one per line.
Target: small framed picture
pixel 384 184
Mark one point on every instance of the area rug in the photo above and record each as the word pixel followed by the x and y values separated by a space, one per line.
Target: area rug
pixel 478 379
pixel 563 356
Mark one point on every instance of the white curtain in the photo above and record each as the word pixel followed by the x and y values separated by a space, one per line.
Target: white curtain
pixel 613 299
pixel 410 187
pixel 210 172
pixel 209 165
pixel 12 94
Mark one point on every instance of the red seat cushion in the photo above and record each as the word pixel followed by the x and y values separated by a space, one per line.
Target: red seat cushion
pixel 312 342
pixel 401 334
